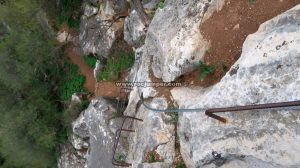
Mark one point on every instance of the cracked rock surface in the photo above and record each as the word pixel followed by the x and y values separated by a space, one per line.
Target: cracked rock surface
pixel 177 41
pixel 94 131
pixel 98 29
pixel 155 133
pixel 267 71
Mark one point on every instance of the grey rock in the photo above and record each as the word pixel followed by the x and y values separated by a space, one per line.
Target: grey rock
pixel 140 72
pixel 267 71
pixel 242 162
pixel 175 35
pixel 78 143
pixel 90 10
pixel 76 98
pixel 155 133
pixel 152 165
pixel 98 68
pixel 96 35
pixel 99 31
pixel 70 158
pixel 150 4
pixel 112 7
pixel 134 30
pixel 94 132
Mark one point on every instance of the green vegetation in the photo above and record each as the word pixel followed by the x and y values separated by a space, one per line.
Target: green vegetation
pixel 71 83
pixel 119 61
pixel 72 112
pixel 33 121
pixel 161 4
pixel 121 157
pixel 251 2
pixel 174 118
pixel 152 157
pixel 205 70
pixel 180 165
pixel 69 13
pixel 90 61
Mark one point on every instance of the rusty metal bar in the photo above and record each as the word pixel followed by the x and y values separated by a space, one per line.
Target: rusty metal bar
pixel 117 139
pixel 210 112
pixel 123 94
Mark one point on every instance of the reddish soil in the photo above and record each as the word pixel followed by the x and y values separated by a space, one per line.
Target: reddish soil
pixel 227 29
pixel 109 89
pixel 106 89
pixel 99 89
pixel 84 69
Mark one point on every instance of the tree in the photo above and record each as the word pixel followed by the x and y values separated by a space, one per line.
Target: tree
pixel 30 118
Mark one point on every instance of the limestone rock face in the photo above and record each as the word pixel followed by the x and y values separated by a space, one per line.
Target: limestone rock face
pixel 90 10
pixel 71 159
pixel 150 4
pixel 155 133
pixel 267 71
pixel 98 28
pixel 134 29
pixel 175 35
pixel 94 132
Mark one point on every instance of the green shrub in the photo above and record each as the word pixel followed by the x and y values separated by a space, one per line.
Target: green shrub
pixel 251 2
pixel 69 13
pixel 180 165
pixel 205 70
pixel 73 111
pixel 152 157
pixel 121 157
pixel 72 83
pixel 174 118
pixel 2 159
pixel 161 4
pixel 90 61
pixel 118 62
pixel 32 82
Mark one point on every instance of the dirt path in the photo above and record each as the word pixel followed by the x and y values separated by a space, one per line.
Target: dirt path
pixel 107 89
pixel 227 30
pixel 99 89
pixel 84 69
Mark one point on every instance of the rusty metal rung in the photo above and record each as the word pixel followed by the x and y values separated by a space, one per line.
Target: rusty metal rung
pixel 124 92
pixel 210 112
pixel 117 139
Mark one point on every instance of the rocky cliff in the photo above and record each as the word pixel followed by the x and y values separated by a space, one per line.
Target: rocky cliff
pixel 268 70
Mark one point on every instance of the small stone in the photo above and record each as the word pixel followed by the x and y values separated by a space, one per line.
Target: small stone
pixel 237 26
pixel 62 36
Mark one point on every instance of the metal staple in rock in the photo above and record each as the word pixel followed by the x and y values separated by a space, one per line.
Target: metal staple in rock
pixel 123 98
